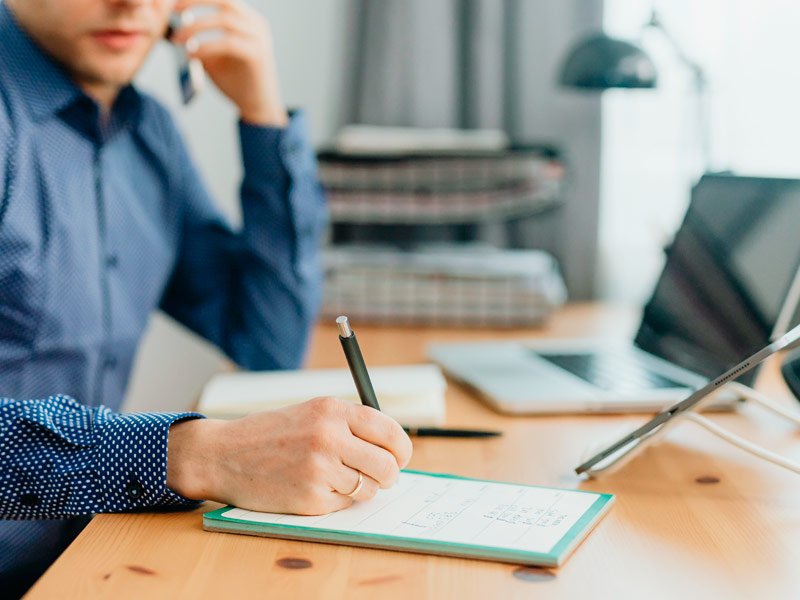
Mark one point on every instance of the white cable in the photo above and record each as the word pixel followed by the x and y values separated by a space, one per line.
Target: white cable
pixel 750 394
pixel 742 443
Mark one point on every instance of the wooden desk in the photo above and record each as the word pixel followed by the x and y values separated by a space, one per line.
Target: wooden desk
pixel 670 535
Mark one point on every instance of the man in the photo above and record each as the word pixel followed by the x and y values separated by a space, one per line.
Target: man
pixel 103 218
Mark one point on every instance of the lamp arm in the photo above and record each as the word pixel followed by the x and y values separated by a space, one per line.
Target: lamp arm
pixel 700 87
pixel 698 72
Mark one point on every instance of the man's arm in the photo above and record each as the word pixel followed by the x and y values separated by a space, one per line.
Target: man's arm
pixel 59 458
pixel 254 293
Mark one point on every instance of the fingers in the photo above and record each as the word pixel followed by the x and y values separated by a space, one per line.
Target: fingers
pixel 344 482
pixel 347 482
pixel 377 463
pixel 221 47
pixel 321 504
pixel 226 5
pixel 380 430
pixel 239 36
pixel 331 500
pixel 218 21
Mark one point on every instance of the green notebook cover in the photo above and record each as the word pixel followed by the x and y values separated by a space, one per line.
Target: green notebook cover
pixel 510 519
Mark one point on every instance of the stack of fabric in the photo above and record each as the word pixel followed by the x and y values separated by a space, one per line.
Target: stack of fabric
pixel 441 187
pixel 442 285
pixel 410 208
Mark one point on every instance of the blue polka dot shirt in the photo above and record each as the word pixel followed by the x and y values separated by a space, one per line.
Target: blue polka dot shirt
pixel 103 221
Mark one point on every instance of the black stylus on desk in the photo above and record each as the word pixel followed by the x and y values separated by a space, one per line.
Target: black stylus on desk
pixel 356 363
pixel 451 433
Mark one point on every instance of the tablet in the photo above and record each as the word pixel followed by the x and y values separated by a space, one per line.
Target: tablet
pixel 638 438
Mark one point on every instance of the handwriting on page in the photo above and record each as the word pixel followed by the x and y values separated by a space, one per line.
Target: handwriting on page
pixel 526 515
pixel 455 511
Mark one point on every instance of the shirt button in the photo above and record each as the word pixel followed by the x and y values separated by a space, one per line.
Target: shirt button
pixel 134 489
pixel 112 261
pixel 29 500
pixel 110 362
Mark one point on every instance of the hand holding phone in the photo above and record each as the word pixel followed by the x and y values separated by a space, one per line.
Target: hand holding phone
pixel 191 77
pixel 233 43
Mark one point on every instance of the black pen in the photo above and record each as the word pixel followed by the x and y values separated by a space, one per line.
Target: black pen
pixel 450 433
pixel 356 363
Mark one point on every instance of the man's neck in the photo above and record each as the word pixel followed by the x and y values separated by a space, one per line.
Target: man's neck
pixel 104 94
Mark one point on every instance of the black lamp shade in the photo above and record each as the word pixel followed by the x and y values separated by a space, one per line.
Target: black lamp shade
pixel 600 62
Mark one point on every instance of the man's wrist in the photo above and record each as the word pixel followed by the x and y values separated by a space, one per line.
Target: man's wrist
pixel 276 116
pixel 191 458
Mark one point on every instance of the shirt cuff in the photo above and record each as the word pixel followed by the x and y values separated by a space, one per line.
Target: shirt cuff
pixel 131 461
pixel 278 153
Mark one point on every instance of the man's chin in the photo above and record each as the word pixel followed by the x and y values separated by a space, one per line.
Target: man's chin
pixel 114 74
pixel 98 66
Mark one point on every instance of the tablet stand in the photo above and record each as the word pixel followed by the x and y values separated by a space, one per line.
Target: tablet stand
pixel 692 415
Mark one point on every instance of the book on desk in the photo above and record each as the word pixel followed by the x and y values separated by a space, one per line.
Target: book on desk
pixel 413 395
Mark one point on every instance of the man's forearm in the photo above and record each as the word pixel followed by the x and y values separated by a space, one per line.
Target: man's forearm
pixel 254 293
pixel 284 214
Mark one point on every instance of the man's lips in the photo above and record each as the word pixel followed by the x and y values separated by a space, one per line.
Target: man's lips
pixel 118 39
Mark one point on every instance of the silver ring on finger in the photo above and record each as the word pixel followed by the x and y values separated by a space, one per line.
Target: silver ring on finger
pixel 358 487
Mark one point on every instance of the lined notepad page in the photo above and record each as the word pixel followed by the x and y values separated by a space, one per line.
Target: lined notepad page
pixel 449 510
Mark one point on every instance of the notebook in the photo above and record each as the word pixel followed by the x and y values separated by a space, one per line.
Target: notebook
pixel 413 395
pixel 446 515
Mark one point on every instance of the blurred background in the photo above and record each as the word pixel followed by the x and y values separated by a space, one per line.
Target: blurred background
pixel 612 167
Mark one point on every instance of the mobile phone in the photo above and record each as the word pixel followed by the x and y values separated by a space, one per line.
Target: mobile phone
pixel 191 76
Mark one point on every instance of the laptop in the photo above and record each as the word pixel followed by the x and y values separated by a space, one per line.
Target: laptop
pixel 730 285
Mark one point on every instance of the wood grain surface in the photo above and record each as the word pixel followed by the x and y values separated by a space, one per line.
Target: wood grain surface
pixel 694 518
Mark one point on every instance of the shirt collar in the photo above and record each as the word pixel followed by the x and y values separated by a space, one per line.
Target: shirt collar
pixel 44 84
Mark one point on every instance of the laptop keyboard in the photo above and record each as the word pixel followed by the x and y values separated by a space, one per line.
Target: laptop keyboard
pixel 611 371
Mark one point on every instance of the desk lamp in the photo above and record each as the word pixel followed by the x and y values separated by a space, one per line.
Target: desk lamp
pixel 599 62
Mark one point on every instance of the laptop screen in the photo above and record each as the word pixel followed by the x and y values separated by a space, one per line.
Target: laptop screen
pixel 727 274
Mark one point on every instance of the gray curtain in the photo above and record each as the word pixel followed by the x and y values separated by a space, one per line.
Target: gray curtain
pixel 488 63
pixel 433 63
